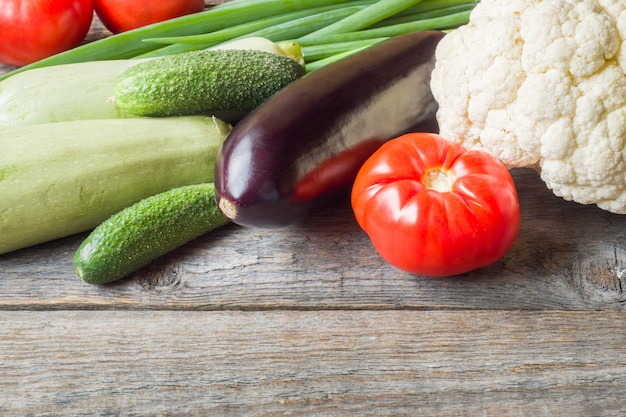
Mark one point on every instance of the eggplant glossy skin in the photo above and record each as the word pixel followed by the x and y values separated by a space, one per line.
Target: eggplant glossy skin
pixel 311 138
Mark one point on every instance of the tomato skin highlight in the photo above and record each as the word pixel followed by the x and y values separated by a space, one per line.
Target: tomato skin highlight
pixel 36 29
pixel 123 15
pixel 434 232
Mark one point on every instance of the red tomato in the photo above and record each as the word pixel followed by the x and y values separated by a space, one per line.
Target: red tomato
pixel 35 29
pixel 122 15
pixel 431 207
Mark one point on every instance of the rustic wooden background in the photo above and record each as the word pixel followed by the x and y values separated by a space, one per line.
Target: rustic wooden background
pixel 309 321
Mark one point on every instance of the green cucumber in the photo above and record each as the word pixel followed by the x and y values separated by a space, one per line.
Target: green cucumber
pixel 62 93
pixel 58 179
pixel 227 83
pixel 152 227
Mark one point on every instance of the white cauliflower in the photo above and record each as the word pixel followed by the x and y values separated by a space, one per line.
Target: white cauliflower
pixel 542 84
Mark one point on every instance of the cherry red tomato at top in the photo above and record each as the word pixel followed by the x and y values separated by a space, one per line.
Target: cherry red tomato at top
pixel 31 30
pixel 431 207
pixel 122 15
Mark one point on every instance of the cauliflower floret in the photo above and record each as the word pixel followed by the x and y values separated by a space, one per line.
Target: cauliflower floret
pixel 542 84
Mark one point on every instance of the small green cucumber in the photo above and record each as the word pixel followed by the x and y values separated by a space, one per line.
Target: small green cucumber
pixel 62 93
pixel 227 83
pixel 152 227
pixel 58 179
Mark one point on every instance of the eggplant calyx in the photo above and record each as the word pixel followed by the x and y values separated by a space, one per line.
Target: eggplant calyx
pixel 227 208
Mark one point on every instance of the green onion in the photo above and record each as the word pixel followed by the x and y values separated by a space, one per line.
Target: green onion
pixel 436 23
pixel 315 65
pixel 282 30
pixel 306 25
pixel 425 14
pixel 426 5
pixel 317 52
pixel 366 17
pixel 245 29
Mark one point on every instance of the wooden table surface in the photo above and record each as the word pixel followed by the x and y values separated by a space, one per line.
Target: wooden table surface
pixel 309 321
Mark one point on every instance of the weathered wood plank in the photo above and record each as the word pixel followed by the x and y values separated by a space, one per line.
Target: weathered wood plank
pixel 400 363
pixel 567 256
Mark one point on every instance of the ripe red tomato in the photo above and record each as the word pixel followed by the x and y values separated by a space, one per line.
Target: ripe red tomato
pixel 122 15
pixel 35 29
pixel 431 207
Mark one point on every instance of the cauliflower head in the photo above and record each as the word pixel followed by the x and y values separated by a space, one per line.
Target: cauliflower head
pixel 542 84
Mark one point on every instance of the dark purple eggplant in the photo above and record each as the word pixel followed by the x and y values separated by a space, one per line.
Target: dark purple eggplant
pixel 310 139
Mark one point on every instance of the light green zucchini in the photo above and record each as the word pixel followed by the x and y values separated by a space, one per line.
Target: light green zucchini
pixel 154 226
pixel 62 93
pixel 63 178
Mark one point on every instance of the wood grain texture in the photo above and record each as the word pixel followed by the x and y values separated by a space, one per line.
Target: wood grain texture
pixel 566 257
pixel 324 363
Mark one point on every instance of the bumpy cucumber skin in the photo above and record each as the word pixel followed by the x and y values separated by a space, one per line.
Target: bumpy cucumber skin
pixel 59 179
pixel 134 237
pixel 204 82
pixel 62 93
